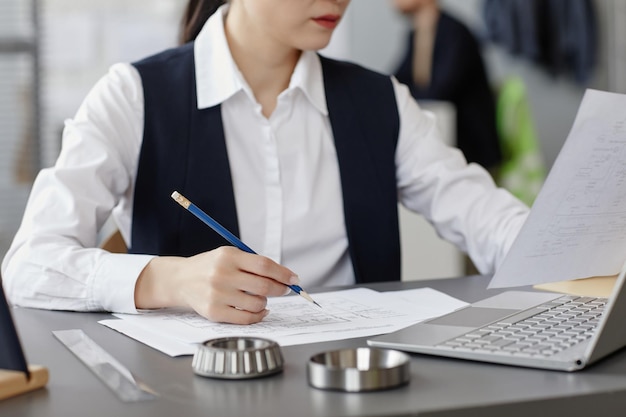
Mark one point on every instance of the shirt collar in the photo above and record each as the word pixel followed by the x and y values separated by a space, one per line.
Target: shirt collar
pixel 307 76
pixel 218 78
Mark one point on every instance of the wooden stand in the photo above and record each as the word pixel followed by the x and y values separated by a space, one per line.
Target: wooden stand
pixel 13 383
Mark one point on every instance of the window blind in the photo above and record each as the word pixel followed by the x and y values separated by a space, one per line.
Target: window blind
pixel 19 107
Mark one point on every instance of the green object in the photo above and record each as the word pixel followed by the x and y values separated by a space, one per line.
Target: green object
pixel 523 170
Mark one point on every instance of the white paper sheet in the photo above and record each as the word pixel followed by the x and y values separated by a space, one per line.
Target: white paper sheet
pixel 427 302
pixel 577 225
pixel 345 314
pixel 168 345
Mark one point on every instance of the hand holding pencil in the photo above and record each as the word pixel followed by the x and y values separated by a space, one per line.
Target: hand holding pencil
pixel 222 231
pixel 226 284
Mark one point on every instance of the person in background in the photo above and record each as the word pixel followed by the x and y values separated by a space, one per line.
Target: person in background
pixel 303 157
pixel 443 61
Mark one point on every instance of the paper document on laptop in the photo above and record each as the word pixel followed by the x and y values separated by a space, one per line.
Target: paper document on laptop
pixel 344 314
pixel 588 287
pixel 577 225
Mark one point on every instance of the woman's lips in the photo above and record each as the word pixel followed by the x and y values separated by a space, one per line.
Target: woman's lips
pixel 327 21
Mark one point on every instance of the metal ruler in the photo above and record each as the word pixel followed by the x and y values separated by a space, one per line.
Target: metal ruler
pixel 106 367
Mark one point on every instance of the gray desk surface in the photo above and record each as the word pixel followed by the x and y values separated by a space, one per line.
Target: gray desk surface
pixel 438 387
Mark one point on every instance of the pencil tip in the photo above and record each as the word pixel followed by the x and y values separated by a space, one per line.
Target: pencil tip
pixel 308 297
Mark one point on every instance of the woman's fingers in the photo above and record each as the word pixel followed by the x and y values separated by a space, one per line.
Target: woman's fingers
pixel 234 307
pixel 254 274
pixel 236 316
pixel 260 266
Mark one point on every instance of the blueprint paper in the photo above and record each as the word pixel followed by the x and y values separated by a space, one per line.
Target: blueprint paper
pixel 577 225
pixel 344 314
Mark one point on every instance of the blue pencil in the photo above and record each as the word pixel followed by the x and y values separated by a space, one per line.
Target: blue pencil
pixel 222 231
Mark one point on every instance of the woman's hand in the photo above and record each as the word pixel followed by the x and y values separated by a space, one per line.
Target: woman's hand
pixel 224 285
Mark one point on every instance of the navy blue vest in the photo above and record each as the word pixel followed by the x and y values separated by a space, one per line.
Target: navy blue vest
pixel 184 149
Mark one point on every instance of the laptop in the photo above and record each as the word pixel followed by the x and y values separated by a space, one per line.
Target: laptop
pixel 522 328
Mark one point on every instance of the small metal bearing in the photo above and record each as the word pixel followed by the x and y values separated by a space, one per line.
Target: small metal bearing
pixel 238 358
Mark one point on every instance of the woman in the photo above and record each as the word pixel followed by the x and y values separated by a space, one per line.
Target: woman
pixel 303 157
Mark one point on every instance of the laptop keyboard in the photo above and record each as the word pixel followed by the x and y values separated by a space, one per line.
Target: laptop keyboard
pixel 559 325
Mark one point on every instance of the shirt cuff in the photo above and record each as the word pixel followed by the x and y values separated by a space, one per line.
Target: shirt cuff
pixel 114 281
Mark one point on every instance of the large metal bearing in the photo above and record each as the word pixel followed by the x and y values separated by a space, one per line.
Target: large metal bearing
pixel 361 369
pixel 238 358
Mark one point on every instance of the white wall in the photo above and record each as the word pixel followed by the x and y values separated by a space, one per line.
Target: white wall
pixel 82 39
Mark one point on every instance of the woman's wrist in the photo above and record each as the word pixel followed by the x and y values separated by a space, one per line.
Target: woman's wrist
pixel 156 286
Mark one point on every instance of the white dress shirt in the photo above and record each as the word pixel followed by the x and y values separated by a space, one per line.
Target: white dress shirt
pixel 285 178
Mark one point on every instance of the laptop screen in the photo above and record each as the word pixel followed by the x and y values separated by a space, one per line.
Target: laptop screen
pixel 11 353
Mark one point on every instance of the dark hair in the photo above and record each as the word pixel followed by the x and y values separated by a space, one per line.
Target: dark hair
pixel 195 16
